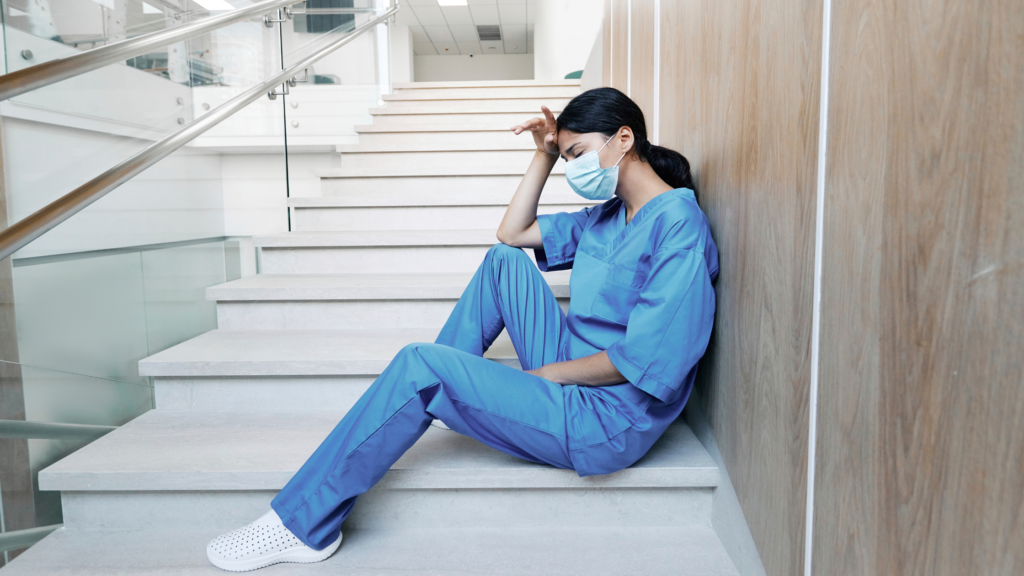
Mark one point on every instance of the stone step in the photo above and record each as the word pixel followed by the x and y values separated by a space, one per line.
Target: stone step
pixel 443 163
pixel 409 115
pixel 504 85
pixel 375 252
pixel 189 469
pixel 325 217
pixel 430 142
pixel 567 91
pixel 556 193
pixel 419 128
pixel 476 103
pixel 427 186
pixel 346 301
pixel 283 369
pixel 539 551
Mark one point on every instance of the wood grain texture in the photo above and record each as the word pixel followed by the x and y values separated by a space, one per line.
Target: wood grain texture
pixel 920 460
pixel 619 42
pixel 641 67
pixel 606 44
pixel 739 98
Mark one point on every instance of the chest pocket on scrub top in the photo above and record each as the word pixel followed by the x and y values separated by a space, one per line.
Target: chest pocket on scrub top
pixel 618 294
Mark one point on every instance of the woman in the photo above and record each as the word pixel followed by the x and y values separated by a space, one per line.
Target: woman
pixel 599 386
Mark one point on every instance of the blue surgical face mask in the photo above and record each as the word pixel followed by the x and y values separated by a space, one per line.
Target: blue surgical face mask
pixel 588 179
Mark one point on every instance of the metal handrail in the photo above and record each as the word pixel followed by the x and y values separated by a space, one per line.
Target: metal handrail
pixel 18 539
pixel 40 222
pixel 50 431
pixel 33 77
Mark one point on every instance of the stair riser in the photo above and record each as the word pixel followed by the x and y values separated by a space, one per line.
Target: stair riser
pixel 517 91
pixel 336 315
pixel 503 187
pixel 510 118
pixel 405 259
pixel 260 393
pixel 465 140
pixel 479 104
pixel 444 160
pixel 407 509
pixel 406 218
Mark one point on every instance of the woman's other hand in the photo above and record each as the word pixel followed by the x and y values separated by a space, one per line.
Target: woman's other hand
pixel 545 131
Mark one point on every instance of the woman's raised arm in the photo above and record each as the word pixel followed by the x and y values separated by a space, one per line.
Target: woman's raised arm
pixel 519 226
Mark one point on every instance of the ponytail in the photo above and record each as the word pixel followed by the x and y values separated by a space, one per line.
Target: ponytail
pixel 606 110
pixel 670 166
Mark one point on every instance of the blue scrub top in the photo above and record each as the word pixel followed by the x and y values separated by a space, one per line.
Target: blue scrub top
pixel 641 291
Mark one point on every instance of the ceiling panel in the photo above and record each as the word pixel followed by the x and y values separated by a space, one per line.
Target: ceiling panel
pixel 484 14
pixel 423 48
pixel 406 17
pixel 464 33
pixel 475 2
pixel 419 34
pixel 457 15
pixel 439 33
pixel 449 48
pixel 492 47
pixel 419 3
pixel 512 13
pixel 430 15
pixel 470 47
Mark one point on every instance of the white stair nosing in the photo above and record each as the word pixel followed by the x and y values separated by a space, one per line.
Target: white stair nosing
pixel 484 84
pixel 192 450
pixel 452 127
pixel 506 551
pixel 424 201
pixel 432 110
pixel 316 352
pixel 313 287
pixel 376 239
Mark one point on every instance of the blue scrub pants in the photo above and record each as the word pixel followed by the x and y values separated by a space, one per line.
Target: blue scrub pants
pixel 589 429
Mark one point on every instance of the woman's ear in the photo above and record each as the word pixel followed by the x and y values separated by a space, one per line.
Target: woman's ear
pixel 625 138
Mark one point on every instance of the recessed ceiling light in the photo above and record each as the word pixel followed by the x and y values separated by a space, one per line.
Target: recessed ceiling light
pixel 452 2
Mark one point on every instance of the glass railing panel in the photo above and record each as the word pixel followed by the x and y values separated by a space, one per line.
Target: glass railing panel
pixel 335 94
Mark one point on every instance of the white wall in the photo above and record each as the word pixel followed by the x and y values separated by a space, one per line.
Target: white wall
pixel 563 33
pixel 432 68
pixel 402 56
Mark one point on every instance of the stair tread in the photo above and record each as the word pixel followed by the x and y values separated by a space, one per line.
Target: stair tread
pixel 452 198
pixel 434 147
pixel 368 238
pixel 482 108
pixel 226 352
pixel 197 450
pixel 447 127
pixel 483 84
pixel 677 551
pixel 293 287
pixel 442 170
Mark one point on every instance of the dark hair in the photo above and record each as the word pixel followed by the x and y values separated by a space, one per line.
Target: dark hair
pixel 606 110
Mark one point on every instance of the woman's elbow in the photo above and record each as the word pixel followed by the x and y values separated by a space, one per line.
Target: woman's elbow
pixel 505 238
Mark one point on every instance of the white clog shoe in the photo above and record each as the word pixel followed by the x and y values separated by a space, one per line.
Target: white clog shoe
pixel 263 543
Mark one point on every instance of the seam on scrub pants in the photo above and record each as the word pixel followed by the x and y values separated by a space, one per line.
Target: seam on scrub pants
pixel 503 417
pixel 643 412
pixel 312 493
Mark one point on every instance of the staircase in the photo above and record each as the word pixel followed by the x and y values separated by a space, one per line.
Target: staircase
pixel 376 262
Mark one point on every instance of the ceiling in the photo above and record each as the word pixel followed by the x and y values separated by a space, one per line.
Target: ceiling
pixel 451 30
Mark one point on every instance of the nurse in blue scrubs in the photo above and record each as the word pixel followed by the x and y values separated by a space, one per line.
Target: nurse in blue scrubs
pixel 599 385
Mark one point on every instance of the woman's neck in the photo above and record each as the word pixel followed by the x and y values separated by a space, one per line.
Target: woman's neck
pixel 638 185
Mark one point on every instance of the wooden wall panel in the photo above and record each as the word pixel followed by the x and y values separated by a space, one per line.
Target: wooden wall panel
pixel 619 42
pixel 739 98
pixel 641 66
pixel 606 45
pixel 920 460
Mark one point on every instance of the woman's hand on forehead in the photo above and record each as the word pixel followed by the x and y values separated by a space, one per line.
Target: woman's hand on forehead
pixel 544 130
